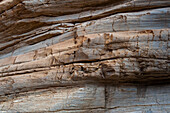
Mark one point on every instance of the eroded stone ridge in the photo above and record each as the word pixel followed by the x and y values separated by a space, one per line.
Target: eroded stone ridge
pixel 84 56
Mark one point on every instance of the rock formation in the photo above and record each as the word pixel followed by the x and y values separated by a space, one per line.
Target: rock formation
pixel 99 56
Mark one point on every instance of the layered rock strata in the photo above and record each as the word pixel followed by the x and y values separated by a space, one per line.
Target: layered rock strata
pixel 100 56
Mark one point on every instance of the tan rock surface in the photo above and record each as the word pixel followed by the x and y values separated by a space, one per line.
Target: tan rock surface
pixel 100 56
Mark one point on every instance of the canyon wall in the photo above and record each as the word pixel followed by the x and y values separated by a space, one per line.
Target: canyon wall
pixel 83 56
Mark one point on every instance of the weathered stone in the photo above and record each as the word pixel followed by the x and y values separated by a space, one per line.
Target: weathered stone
pixel 100 56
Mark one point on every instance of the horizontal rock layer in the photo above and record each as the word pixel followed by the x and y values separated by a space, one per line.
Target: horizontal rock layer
pixel 84 56
pixel 91 98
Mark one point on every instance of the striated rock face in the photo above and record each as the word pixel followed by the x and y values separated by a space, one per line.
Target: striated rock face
pixel 99 56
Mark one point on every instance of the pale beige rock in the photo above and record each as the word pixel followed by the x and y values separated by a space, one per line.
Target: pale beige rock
pixel 76 56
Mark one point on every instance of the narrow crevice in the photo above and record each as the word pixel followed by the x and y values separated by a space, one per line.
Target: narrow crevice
pixel 106 96
pixel 86 61
pixel 99 60
pixel 107 14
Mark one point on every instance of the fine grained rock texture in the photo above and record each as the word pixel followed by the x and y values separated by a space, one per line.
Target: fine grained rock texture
pixel 99 56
